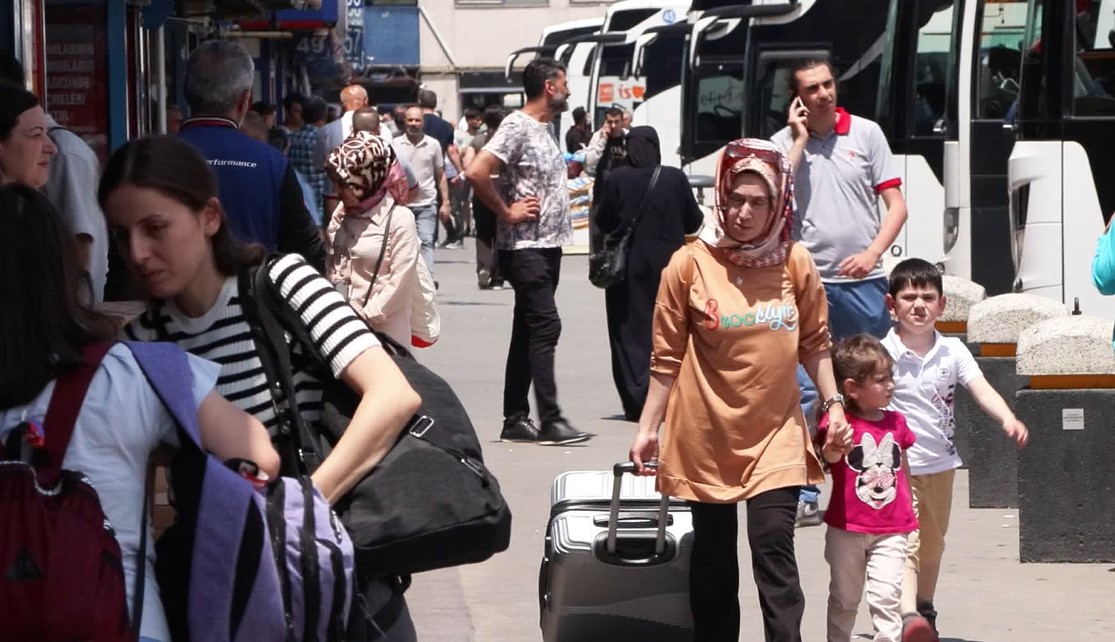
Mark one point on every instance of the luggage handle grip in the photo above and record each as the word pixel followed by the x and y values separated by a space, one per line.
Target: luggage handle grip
pixel 613 517
pixel 633 520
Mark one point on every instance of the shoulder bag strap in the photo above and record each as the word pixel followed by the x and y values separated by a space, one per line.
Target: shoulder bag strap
pixel 382 252
pixel 642 204
pixel 65 405
pixel 274 355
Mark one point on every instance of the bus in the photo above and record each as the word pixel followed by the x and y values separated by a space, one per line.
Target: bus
pixel 560 41
pixel 579 56
pixel 982 82
pixel 613 83
pixel 659 60
pixel 552 38
pixel 737 84
pixel 1059 203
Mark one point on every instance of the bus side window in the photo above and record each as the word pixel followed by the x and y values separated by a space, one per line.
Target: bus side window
pixel 1002 33
pixel 720 105
pixel 1093 70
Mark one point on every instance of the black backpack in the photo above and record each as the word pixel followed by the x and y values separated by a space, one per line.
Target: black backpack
pixel 430 503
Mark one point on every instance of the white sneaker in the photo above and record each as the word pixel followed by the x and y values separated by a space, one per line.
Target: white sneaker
pixel 809 514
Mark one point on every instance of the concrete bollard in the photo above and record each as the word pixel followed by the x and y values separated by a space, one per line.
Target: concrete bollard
pixel 993 329
pixel 960 295
pixel 1065 486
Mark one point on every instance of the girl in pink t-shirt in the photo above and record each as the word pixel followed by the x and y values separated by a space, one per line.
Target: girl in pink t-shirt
pixel 871 511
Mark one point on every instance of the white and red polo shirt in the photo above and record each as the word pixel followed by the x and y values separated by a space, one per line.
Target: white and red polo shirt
pixel 837 193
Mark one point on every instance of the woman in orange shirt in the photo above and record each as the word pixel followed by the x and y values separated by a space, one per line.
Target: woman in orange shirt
pixel 736 311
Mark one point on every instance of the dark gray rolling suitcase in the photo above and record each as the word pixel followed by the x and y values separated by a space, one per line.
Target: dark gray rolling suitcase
pixel 616 564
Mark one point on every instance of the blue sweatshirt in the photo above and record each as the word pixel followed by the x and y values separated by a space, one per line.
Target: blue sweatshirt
pixel 258 189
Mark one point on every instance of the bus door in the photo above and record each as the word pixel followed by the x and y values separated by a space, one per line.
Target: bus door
pixel 988 83
pixel 1060 196
pixel 578 55
pixel 712 91
pixel 658 61
pixel 911 110
pixel 713 81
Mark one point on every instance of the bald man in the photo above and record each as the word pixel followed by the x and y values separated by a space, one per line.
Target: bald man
pixel 366 119
pixel 353 97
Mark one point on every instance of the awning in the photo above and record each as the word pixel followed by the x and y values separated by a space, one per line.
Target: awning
pixel 484 81
pixel 233 9
pixel 287 19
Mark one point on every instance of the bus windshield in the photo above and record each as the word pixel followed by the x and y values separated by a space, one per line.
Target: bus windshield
pixel 662 62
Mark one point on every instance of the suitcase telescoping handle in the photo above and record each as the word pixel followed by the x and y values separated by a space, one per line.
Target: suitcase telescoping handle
pixel 620 470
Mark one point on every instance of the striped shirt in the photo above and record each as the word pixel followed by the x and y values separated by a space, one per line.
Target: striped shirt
pixel 222 335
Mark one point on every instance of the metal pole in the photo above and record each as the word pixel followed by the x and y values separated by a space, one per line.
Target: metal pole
pixel 160 75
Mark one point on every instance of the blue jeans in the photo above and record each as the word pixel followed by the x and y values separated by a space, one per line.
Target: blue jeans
pixel 858 307
pixel 854 308
pixel 425 219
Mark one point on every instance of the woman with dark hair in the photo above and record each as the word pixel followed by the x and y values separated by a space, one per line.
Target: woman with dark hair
pixel 25 145
pixel 160 199
pixel 670 213
pixel 44 330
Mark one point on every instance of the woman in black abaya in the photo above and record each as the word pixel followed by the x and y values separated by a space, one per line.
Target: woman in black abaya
pixel 671 213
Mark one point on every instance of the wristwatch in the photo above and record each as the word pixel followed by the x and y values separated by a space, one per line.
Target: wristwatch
pixel 828 403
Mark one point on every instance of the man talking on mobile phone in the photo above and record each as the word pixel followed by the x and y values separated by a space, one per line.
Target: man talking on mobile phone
pixel 842 166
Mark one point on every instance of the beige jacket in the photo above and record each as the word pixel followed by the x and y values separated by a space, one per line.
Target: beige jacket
pixel 353 247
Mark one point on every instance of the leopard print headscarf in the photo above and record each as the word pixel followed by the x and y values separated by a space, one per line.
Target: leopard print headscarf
pixel 363 162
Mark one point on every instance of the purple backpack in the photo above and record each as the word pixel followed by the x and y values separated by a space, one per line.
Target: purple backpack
pixel 236 565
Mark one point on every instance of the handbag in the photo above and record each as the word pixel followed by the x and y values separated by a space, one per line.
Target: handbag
pixel 430 503
pixel 608 267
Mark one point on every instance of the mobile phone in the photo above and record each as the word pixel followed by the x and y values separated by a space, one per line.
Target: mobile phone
pixel 797 103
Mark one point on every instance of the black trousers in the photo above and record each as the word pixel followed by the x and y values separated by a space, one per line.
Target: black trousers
pixel 533 273
pixel 714 567
pixel 487 257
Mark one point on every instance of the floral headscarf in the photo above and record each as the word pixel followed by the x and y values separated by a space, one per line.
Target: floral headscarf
pixel 765 159
pixel 367 164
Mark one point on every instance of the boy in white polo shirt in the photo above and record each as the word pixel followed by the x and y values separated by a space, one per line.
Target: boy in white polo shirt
pixel 927 368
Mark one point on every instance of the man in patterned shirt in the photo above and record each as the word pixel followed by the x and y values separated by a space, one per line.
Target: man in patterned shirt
pixel 307 150
pixel 532 204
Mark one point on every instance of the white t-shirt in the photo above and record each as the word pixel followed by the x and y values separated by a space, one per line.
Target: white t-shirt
pixel 72 188
pixel 925 393
pixel 122 421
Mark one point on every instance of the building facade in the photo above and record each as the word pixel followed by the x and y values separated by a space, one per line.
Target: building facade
pixel 464 43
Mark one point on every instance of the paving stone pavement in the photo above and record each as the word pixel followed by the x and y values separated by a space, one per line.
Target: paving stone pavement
pixel 985 594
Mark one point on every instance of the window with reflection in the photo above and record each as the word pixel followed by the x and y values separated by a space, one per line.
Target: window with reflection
pixel 719 103
pixel 1001 47
pixel 932 63
pixel 1093 72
